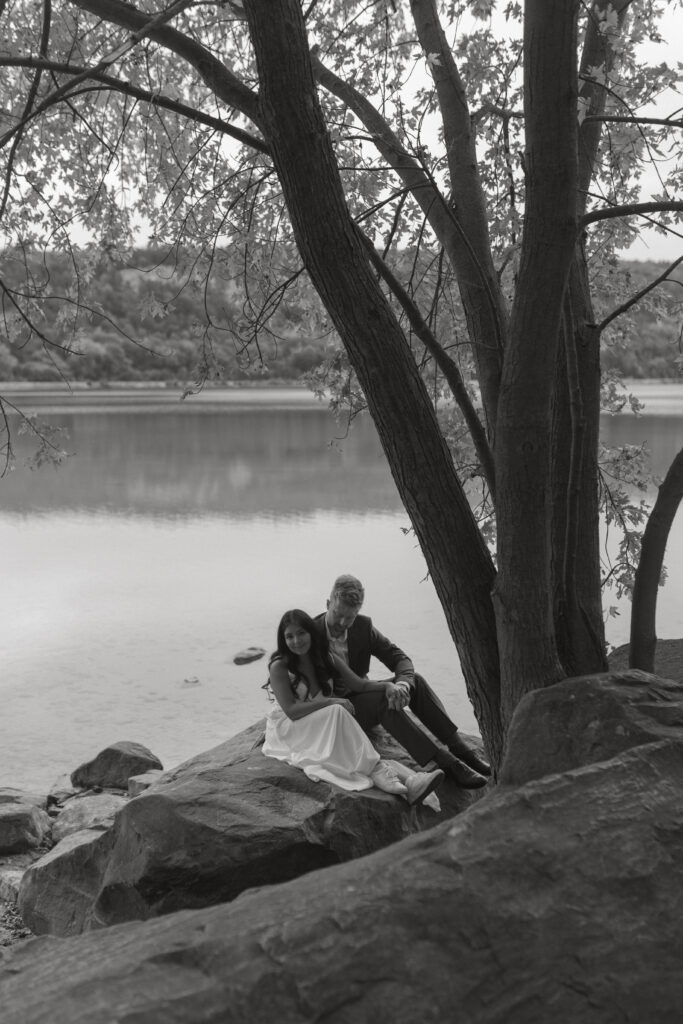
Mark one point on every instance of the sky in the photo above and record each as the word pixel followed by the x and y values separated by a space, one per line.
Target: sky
pixel 651 245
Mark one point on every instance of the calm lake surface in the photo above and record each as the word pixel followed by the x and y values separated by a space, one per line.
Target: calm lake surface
pixel 177 534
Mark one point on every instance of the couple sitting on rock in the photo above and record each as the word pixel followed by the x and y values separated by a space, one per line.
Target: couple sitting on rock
pixel 326 705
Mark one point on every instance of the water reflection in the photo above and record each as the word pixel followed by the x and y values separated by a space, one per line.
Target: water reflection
pixel 188 462
pixel 663 436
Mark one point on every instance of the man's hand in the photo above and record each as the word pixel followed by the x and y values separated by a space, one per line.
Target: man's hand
pixel 398 695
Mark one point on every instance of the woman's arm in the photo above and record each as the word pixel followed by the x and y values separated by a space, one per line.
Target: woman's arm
pixel 290 704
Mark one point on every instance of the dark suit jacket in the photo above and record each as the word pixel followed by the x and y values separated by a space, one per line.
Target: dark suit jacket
pixel 366 642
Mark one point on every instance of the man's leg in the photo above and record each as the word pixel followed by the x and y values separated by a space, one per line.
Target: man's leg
pixel 426 706
pixel 372 709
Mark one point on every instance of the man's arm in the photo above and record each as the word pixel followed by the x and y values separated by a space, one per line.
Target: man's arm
pixel 396 660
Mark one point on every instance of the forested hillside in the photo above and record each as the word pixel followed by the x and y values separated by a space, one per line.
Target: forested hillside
pixel 144 319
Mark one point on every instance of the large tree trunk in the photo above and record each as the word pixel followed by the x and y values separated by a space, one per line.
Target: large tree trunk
pixel 523 594
pixel 457 558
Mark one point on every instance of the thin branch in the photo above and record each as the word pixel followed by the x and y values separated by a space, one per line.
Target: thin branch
pixel 625 306
pixel 146 96
pixel 213 72
pixel 669 122
pixel 28 106
pixel 630 210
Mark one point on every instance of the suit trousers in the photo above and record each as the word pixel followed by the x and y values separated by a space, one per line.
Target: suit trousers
pixel 372 710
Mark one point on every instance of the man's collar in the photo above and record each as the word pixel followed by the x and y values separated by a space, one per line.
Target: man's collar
pixel 336 639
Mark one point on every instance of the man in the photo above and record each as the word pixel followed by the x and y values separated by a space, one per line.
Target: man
pixel 354 639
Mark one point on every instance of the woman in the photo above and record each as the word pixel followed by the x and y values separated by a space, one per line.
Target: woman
pixel 313 730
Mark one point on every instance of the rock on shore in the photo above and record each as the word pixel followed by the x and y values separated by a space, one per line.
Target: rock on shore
pixel 224 821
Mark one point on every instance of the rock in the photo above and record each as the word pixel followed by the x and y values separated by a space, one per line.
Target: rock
pixel 231 819
pixel 223 822
pixel 57 892
pixel 589 718
pixel 12 868
pixel 61 791
pixel 139 783
pixel 560 900
pixel 248 654
pixel 22 827
pixel 9 795
pixel 95 811
pixel 114 765
pixel 668 659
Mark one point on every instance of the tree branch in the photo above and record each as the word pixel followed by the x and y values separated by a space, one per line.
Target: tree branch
pixel 213 72
pixel 630 210
pixel 144 95
pixel 28 106
pixel 447 365
pixel 625 306
pixel 670 122
pixel 643 640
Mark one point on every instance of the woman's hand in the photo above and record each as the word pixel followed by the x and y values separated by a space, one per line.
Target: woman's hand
pixel 345 704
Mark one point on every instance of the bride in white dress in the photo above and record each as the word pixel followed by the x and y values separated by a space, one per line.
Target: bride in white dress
pixel 312 729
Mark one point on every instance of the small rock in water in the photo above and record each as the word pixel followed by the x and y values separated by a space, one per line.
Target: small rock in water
pixel 191 681
pixel 248 654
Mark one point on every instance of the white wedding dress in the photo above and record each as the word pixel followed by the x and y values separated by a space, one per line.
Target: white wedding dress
pixel 328 745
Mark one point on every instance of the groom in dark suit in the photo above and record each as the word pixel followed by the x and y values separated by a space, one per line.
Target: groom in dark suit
pixel 354 639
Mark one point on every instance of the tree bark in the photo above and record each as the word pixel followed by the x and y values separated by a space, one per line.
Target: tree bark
pixel 457 558
pixel 523 592
pixel 577 591
pixel 644 611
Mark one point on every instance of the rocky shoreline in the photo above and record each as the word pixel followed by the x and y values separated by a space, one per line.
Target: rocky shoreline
pixel 32 824
pixel 557 895
pixel 92 818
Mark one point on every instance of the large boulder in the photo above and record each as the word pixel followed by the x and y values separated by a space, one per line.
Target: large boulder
pixel 589 718
pixel 57 892
pixel 225 821
pixel 561 900
pixel 230 819
pixel 114 765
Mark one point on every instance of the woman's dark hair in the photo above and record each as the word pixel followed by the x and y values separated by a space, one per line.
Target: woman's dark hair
pixel 319 651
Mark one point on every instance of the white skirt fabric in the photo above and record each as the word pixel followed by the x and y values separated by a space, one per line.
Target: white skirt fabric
pixel 328 745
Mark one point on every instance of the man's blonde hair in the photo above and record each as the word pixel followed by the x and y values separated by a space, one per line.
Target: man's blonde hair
pixel 349 590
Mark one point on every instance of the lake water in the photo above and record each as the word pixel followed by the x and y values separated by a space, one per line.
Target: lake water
pixel 176 535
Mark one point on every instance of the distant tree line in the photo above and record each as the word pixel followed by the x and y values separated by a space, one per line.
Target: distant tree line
pixel 147 319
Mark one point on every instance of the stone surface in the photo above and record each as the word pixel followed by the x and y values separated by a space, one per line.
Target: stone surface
pixel 57 892
pixel 668 659
pixel 94 811
pixel 22 827
pixel 248 655
pixel 61 791
pixel 230 819
pixel 587 719
pixel 139 783
pixel 222 822
pixel 114 765
pixel 9 795
pixel 561 900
